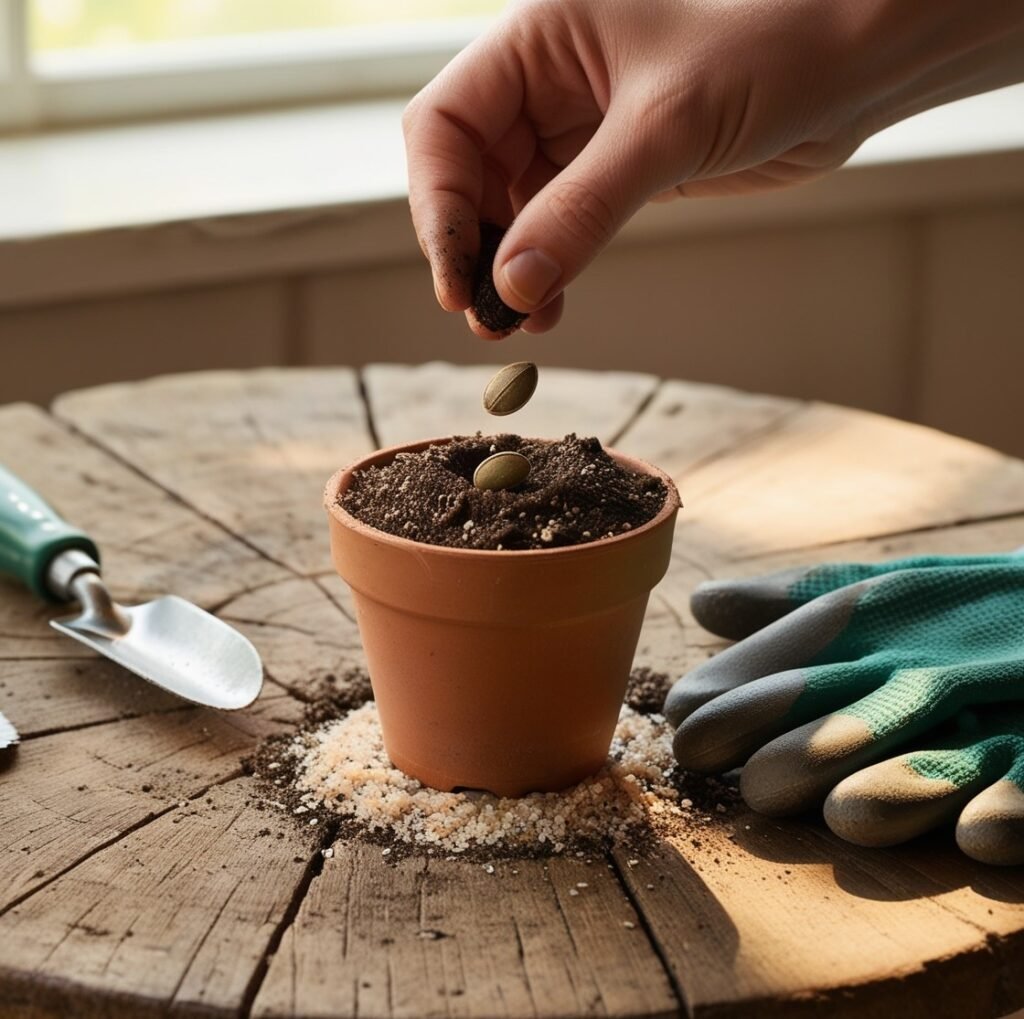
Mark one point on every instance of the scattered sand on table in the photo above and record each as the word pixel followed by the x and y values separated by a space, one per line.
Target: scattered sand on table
pixel 337 772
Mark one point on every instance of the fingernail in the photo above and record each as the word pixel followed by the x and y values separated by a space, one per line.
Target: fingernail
pixel 530 275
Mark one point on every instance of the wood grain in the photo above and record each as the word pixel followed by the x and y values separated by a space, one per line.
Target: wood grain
pixel 49 696
pixel 829 475
pixel 787 921
pixel 151 544
pixel 688 425
pixel 431 937
pixel 176 915
pixel 67 794
pixel 251 450
pixel 117 900
pixel 305 631
pixel 431 400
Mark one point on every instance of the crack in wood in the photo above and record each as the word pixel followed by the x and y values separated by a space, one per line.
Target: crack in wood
pixel 141 823
pixel 638 412
pixel 656 946
pixel 521 951
pixel 364 393
pixel 206 934
pixel 313 870
pixel 125 935
pixel 747 992
pixel 666 603
pixel 31 635
pixel 46 658
pixel 389 990
pixel 216 608
pixel 291 627
pixel 703 569
pixel 149 818
pixel 334 601
pixel 59 730
pixel 97 443
pixel 69 929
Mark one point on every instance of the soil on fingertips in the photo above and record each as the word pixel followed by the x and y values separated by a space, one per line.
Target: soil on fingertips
pixel 332 776
pixel 448 259
pixel 575 493
pixel 488 307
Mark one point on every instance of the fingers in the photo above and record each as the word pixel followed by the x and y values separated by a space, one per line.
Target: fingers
pixel 571 219
pixel 991 826
pixel 463 114
pixel 789 643
pixel 796 770
pixel 547 317
pixel 725 732
pixel 891 802
pixel 734 609
pixel 896 800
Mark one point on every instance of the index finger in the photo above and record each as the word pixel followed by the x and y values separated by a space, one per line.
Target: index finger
pixel 449 127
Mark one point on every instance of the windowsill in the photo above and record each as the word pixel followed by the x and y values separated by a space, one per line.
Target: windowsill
pixel 138 206
pixel 173 171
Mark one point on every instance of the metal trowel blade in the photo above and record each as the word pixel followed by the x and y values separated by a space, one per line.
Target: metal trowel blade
pixel 183 649
pixel 8 734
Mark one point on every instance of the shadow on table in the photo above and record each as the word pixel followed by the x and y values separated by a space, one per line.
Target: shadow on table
pixel 8 755
pixel 924 868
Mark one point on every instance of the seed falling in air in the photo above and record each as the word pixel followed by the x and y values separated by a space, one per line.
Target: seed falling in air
pixel 510 388
pixel 501 470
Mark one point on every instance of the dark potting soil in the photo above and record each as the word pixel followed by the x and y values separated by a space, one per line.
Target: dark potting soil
pixel 575 493
pixel 488 307
pixel 647 690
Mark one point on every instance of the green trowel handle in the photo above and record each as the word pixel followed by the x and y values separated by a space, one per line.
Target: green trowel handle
pixel 31 534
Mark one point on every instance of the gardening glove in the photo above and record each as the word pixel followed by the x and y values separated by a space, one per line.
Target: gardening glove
pixel 895 690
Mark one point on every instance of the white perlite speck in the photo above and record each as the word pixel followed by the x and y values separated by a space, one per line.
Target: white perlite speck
pixel 343 769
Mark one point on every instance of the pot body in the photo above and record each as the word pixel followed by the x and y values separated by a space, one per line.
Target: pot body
pixel 506 670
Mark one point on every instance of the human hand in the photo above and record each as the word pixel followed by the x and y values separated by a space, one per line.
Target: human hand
pixel 571 114
pixel 893 692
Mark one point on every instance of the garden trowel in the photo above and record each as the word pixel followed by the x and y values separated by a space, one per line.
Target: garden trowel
pixel 168 641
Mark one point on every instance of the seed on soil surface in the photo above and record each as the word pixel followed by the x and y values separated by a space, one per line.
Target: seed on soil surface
pixel 501 470
pixel 510 388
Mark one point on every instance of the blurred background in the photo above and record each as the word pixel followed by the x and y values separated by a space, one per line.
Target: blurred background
pixel 190 184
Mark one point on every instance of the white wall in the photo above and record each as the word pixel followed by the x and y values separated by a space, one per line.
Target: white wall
pixel 915 313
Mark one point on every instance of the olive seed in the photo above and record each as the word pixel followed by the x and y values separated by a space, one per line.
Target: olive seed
pixel 501 470
pixel 510 388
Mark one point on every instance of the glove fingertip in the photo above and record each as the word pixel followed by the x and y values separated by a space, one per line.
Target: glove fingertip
pixel 888 803
pixel 735 609
pixel 991 826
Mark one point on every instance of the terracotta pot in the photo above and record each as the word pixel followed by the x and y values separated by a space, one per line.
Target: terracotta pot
pixel 506 670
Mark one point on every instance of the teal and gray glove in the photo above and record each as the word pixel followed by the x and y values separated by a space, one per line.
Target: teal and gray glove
pixel 893 692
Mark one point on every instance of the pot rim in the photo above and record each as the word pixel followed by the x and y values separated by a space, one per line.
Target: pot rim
pixel 341 478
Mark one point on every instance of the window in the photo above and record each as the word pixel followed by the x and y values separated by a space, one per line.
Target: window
pixel 68 61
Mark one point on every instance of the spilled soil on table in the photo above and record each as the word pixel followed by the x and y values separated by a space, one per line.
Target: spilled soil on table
pixel 333 773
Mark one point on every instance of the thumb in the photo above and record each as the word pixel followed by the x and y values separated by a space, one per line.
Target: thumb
pixel 570 220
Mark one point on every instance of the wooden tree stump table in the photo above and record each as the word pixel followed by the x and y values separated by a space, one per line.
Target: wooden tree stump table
pixel 134 879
